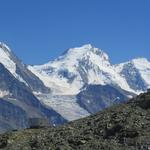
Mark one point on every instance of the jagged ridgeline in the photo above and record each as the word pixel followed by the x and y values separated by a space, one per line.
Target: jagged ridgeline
pixel 123 127
pixel 17 100
pixel 84 81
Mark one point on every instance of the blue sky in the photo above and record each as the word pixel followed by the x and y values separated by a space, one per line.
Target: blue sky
pixel 40 30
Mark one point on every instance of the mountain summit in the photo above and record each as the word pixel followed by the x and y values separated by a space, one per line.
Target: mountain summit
pixel 7 59
pixel 19 70
pixel 83 81
pixel 84 65
pixel 75 68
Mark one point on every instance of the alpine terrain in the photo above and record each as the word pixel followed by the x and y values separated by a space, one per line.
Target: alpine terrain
pixel 83 81
pixel 80 82
pixel 17 101
pixel 121 127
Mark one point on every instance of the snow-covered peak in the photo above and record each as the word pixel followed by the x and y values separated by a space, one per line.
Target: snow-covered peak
pixel 73 56
pixel 78 67
pixel 5 58
pixel 141 63
pixel 4 47
pixel 87 46
pixel 86 50
pixel 136 72
pixel 139 59
pixel 9 60
pixel 70 69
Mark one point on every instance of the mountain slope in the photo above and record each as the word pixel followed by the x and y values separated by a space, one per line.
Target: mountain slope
pixel 123 127
pixel 19 70
pixel 70 76
pixel 136 72
pixel 66 105
pixel 98 97
pixel 18 104
pixel 78 67
pixel 86 65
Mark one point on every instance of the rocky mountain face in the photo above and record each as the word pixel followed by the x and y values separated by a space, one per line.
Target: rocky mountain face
pixel 121 127
pixel 96 97
pixel 17 101
pixel 136 72
pixel 19 70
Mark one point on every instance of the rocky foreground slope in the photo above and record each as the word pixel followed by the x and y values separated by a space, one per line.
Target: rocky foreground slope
pixel 123 127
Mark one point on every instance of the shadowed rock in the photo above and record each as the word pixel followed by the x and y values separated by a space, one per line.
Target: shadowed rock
pixel 38 123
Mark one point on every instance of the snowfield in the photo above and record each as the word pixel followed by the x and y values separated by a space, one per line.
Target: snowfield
pixel 69 73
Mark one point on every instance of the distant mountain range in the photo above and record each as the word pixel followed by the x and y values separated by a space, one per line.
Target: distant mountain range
pixel 84 78
pixel 80 82
pixel 17 101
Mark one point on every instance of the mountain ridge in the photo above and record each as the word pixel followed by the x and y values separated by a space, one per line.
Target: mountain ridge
pixel 86 65
pixel 81 67
pixel 17 100
pixel 19 70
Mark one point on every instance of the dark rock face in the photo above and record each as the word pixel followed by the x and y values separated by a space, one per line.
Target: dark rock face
pixel 97 97
pixel 133 77
pixel 20 104
pixel 12 116
pixel 38 123
pixel 33 81
pixel 123 127
pixel 143 101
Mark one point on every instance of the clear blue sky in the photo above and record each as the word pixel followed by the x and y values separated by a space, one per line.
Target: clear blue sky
pixel 40 30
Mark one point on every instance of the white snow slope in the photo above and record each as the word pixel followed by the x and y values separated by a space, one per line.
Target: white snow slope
pixel 65 105
pixel 87 65
pixel 68 74
pixel 6 58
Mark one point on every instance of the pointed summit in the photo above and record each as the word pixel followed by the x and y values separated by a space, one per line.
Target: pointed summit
pixel 76 67
pixel 88 46
pixel 73 56
pixel 140 60
pixel 4 47
pixel 6 58
pixel 12 63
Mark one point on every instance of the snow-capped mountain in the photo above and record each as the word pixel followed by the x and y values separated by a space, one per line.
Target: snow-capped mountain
pixel 17 101
pixel 73 76
pixel 85 65
pixel 137 73
pixel 77 67
pixel 19 70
